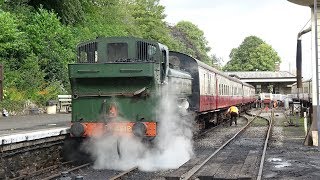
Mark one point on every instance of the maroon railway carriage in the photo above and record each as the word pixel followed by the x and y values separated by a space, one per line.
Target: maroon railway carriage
pixel 213 92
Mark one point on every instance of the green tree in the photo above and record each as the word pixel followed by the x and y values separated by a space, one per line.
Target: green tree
pixel 22 74
pixel 104 18
pixel 69 11
pixel 194 40
pixel 253 54
pixel 216 62
pixel 148 17
pixel 52 43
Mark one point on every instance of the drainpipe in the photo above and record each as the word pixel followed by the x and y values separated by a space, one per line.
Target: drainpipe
pixel 299 57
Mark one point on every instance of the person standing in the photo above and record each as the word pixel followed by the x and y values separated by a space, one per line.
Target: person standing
pixel 234 112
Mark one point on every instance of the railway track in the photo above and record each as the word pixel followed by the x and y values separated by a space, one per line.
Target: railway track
pixel 47 173
pixel 66 171
pixel 232 159
pixel 124 173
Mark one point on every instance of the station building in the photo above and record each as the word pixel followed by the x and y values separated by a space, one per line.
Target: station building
pixel 275 82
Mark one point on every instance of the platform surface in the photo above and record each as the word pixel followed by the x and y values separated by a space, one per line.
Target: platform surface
pixel 21 124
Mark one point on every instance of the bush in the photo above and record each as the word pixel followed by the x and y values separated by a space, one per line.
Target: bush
pixel 50 91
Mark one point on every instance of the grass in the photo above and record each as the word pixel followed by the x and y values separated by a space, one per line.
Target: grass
pixel 259 122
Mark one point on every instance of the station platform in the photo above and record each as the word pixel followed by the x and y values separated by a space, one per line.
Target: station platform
pixel 14 129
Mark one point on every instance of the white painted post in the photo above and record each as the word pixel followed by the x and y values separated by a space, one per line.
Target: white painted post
pixel 305 123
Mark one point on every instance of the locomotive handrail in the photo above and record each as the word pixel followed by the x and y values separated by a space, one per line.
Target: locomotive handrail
pixel 113 94
pixel 130 70
pixel 88 71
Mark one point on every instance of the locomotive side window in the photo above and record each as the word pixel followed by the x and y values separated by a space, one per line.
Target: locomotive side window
pixel 146 51
pixel 163 67
pixel 88 53
pixel 174 62
pixel 117 51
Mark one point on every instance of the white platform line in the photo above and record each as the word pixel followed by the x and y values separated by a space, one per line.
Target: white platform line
pixel 32 135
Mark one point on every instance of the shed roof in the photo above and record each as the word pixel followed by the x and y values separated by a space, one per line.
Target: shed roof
pixel 262 74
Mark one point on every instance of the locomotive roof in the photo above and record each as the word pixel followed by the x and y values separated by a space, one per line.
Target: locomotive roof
pixel 99 39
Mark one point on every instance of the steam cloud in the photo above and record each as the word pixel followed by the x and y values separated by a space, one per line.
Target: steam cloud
pixel 172 147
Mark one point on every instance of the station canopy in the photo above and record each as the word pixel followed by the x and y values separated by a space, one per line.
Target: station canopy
pixel 264 76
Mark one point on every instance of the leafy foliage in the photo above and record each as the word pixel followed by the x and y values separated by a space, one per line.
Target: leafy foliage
pixel 38 39
pixel 52 43
pixel 253 54
pixel 193 38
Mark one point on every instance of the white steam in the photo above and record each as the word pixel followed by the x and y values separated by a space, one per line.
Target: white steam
pixel 172 147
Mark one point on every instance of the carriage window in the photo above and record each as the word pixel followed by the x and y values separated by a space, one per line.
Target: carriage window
pixel 204 83
pixel 117 51
pixel 209 82
pixel 222 89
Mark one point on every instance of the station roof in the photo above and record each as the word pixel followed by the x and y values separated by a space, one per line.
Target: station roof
pixel 302 2
pixel 264 76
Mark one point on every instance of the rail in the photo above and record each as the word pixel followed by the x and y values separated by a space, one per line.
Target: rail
pixel 196 168
pixel 265 146
pixel 70 170
pixel 123 173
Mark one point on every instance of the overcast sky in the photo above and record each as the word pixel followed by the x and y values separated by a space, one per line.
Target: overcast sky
pixel 227 23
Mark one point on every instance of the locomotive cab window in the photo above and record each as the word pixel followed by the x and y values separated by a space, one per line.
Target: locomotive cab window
pixel 146 51
pixel 163 66
pixel 174 62
pixel 88 53
pixel 117 51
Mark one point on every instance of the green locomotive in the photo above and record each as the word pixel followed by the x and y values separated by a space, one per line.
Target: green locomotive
pixel 117 84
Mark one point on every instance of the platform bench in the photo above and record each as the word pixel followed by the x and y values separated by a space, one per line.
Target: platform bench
pixel 64 103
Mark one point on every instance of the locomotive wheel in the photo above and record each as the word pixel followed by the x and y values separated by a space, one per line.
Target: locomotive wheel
pixel 71 150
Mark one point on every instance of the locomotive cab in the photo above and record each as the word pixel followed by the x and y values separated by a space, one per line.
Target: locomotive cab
pixel 115 85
